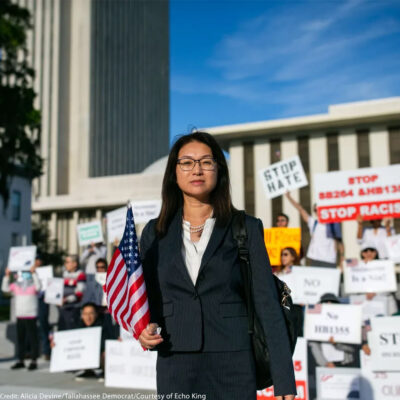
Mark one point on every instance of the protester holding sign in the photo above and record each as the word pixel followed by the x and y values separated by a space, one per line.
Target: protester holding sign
pixel 326 239
pixel 25 289
pixel 90 255
pixel 74 286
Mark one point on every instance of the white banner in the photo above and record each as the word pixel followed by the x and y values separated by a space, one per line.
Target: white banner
pixel 384 341
pixel 76 349
pixel 44 274
pixel 54 291
pixel 128 366
pixel 116 224
pixel 21 258
pixel 90 232
pixel 340 321
pixel 283 176
pixel 338 383
pixel 393 248
pixel 372 277
pixel 378 305
pixel 373 193
pixel 308 284
pixel 378 385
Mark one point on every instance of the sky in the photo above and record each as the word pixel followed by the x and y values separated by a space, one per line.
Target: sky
pixel 237 61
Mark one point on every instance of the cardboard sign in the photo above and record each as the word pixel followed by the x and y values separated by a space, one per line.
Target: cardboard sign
pixel 76 349
pixel 373 277
pixel 384 341
pixel 277 239
pixel 44 274
pixel 340 321
pixel 371 308
pixel 308 284
pixel 128 366
pixel 373 193
pixel 378 385
pixel 21 258
pixel 300 373
pixel 88 233
pixel 393 248
pixel 283 177
pixel 54 291
pixel 338 383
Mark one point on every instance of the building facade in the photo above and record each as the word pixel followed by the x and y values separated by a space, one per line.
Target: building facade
pixel 102 78
pixel 349 136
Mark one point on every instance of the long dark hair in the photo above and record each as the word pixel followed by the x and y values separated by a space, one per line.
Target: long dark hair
pixel 172 198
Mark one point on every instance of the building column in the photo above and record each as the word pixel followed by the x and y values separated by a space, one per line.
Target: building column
pixel 379 146
pixel 236 170
pixel 289 149
pixel 73 237
pixel 318 160
pixel 263 208
pixel 348 156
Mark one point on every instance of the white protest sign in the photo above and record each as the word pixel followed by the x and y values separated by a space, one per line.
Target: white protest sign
pixel 338 383
pixel 308 284
pixel 372 277
pixel 378 305
pixel 300 373
pixel 54 291
pixel 384 341
pixel 373 193
pixel 331 353
pixel 21 258
pixel 340 321
pixel 128 366
pixel 125 335
pixel 282 177
pixel 378 385
pixel 393 248
pixel 76 349
pixel 90 232
pixel 116 224
pixel 44 274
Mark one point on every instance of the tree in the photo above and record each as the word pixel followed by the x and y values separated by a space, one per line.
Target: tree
pixel 19 120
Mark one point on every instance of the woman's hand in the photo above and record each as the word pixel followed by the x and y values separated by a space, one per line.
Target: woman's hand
pixel 286 397
pixel 149 338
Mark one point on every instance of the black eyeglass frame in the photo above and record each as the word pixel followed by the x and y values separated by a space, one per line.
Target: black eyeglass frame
pixel 179 162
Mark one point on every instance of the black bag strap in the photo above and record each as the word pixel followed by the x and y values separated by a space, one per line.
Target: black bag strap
pixel 240 236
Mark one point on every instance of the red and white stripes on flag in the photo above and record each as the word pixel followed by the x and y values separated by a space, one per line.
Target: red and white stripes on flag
pixel 125 287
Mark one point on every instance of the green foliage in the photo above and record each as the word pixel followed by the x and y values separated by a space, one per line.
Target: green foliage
pixel 19 120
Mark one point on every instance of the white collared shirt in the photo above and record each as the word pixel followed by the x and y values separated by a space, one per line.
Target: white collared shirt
pixel 192 252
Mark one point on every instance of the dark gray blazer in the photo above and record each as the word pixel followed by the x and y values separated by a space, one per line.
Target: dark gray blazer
pixel 211 316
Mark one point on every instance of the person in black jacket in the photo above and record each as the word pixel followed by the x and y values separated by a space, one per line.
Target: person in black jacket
pixel 194 285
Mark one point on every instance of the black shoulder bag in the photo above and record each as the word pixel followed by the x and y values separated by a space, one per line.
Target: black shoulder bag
pixel 260 348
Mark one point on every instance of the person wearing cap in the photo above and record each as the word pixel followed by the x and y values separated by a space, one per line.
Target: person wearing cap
pixel 375 234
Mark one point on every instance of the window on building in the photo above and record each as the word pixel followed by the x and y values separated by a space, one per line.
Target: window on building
pixel 15 239
pixel 15 205
pixel 363 148
pixel 333 152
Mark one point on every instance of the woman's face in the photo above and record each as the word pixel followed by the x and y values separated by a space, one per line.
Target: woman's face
pixel 200 181
pixel 287 258
pixel 368 255
pixel 89 315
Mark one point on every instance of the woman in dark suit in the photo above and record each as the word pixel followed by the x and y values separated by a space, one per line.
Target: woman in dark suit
pixel 194 285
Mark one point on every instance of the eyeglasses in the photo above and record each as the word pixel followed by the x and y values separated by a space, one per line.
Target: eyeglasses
pixel 369 249
pixel 187 164
pixel 285 254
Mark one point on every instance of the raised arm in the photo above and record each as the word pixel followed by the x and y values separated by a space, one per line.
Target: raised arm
pixel 359 227
pixel 304 214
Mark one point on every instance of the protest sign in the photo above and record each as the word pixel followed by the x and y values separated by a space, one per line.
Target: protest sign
pixel 90 232
pixel 54 291
pixel 370 308
pixel 116 224
pixel 300 373
pixel 283 177
pixel 338 383
pixel 44 274
pixel 373 193
pixel 76 349
pixel 378 385
pixel 21 258
pixel 277 239
pixel 373 277
pixel 308 284
pixel 340 321
pixel 128 366
pixel 384 341
pixel 393 248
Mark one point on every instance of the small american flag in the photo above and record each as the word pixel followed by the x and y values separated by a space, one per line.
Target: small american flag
pixel 314 309
pixel 125 287
pixel 352 262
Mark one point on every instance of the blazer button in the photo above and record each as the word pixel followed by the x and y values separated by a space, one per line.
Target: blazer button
pixel 196 295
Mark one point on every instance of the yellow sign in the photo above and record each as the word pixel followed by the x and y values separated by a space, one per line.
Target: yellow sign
pixel 277 239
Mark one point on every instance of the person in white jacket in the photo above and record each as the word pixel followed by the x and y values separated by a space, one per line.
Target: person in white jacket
pixel 25 289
